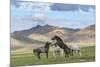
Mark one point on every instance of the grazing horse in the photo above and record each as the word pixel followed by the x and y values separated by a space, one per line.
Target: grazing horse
pixel 44 49
pixel 75 49
pixel 62 45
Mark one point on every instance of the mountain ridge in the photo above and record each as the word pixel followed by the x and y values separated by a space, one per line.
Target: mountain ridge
pixel 41 30
pixel 41 34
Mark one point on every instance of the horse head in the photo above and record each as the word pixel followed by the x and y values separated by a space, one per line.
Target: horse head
pixel 47 44
pixel 55 44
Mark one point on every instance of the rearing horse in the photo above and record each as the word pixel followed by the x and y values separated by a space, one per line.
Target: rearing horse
pixel 62 45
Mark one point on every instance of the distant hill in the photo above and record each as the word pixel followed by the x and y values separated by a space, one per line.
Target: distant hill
pixel 40 34
pixel 25 40
pixel 39 37
pixel 18 41
pixel 15 44
pixel 86 34
pixel 43 33
pixel 37 29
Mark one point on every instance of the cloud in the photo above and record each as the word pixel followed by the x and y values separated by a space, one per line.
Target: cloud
pixel 37 9
pixel 21 3
pixel 21 23
pixel 68 23
pixel 40 18
pixel 71 7
pixel 52 6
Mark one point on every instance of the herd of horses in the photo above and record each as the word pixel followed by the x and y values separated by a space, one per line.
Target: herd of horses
pixel 60 47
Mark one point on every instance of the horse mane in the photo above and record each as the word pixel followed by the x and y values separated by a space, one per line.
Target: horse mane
pixel 59 38
pixel 47 44
pixel 61 42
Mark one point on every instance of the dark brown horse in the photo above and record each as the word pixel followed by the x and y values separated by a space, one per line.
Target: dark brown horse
pixel 44 49
pixel 62 45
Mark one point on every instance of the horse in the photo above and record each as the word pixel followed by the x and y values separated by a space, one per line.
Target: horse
pixel 62 45
pixel 43 49
pixel 56 50
pixel 75 49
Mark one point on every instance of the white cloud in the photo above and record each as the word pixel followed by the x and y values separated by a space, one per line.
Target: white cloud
pixel 40 18
pixel 31 5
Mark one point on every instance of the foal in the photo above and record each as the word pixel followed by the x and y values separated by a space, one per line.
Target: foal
pixel 44 49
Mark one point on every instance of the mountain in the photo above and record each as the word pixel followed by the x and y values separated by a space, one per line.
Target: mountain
pixel 38 35
pixel 15 44
pixel 18 41
pixel 38 29
pixel 86 34
pixel 44 33
pixel 25 40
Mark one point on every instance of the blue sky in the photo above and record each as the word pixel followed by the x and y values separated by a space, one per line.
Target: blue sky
pixel 25 15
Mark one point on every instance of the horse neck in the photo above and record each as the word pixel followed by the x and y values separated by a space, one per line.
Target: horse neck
pixel 46 46
pixel 59 40
pixel 61 44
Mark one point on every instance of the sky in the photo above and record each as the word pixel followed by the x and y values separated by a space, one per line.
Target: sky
pixel 25 15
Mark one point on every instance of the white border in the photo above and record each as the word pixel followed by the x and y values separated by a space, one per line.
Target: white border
pixel 4 33
pixel 89 64
pixel 5 30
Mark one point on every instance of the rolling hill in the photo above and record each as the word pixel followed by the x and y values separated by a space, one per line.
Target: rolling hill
pixel 40 34
pixel 37 29
pixel 86 34
pixel 43 33
pixel 18 41
pixel 38 37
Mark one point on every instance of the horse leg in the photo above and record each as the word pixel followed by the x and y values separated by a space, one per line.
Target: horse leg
pixel 47 55
pixel 66 54
pixel 58 53
pixel 39 56
pixel 79 52
pixel 72 52
pixel 62 52
pixel 54 54
pixel 35 52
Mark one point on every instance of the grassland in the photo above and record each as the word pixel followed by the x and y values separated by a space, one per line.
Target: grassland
pixel 24 59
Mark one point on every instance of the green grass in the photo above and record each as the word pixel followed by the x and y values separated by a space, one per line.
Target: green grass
pixel 88 55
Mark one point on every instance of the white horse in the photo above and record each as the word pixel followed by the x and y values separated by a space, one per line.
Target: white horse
pixel 57 51
pixel 75 49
